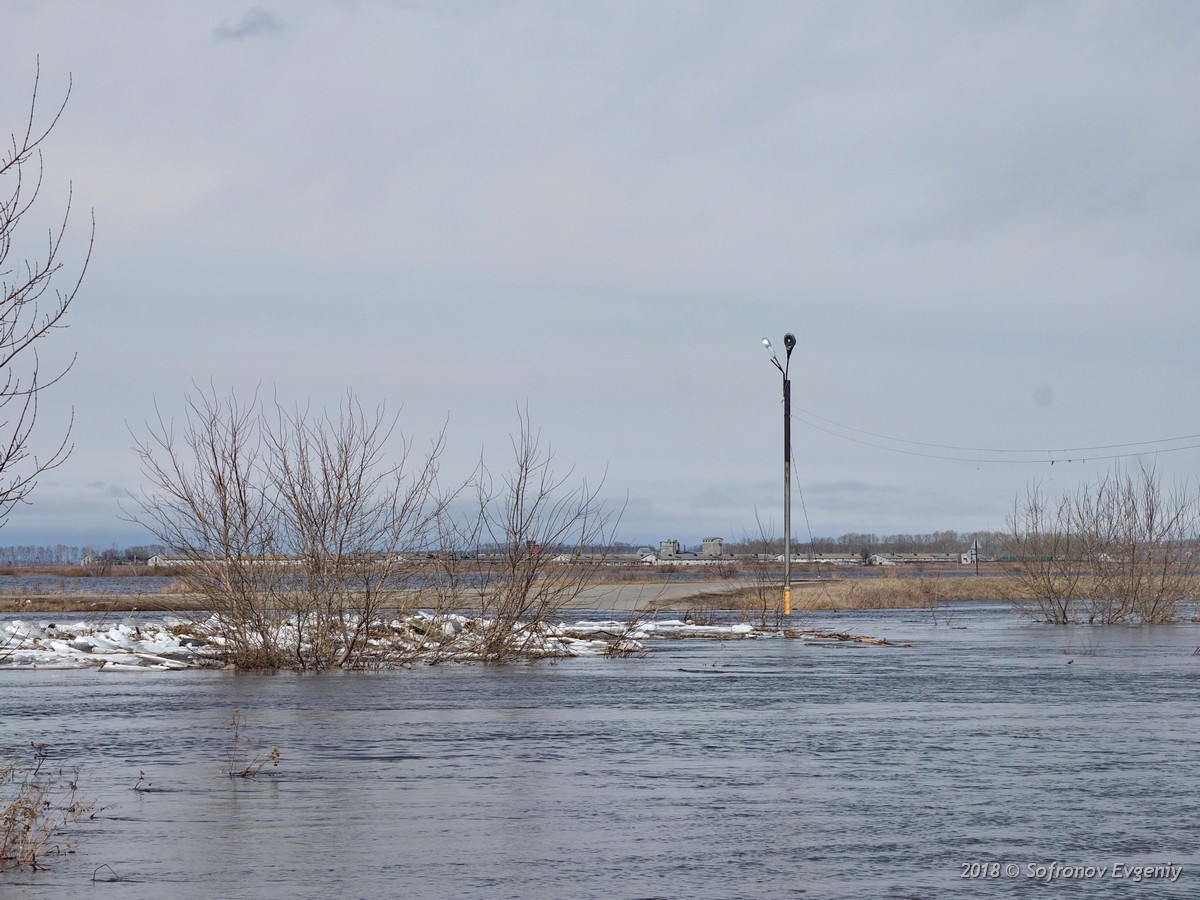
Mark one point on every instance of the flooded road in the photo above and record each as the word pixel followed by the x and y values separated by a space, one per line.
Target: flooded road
pixel 768 768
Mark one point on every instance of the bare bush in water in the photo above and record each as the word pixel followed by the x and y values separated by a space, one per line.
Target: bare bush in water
pixel 295 527
pixel 304 535
pixel 764 598
pixel 348 516
pixel 37 802
pixel 209 503
pixel 533 525
pixel 1118 549
pixel 244 760
pixel 1045 557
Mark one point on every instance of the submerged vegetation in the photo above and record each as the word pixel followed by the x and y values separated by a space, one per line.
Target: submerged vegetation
pixel 38 800
pixel 246 760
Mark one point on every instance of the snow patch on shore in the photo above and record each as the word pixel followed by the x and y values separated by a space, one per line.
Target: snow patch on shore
pixel 179 644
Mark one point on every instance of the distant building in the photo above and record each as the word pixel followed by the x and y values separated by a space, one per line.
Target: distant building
pixel 712 548
pixel 668 549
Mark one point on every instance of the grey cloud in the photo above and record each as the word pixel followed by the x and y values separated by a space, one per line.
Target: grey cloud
pixel 603 208
pixel 107 489
pixel 257 22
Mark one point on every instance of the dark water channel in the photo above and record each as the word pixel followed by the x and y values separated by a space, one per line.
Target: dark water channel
pixel 768 768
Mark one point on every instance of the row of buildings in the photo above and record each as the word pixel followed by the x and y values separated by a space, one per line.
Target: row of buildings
pixel 712 550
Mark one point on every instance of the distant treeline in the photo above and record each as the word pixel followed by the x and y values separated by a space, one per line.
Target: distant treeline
pixel 934 542
pixel 67 555
pixel 851 544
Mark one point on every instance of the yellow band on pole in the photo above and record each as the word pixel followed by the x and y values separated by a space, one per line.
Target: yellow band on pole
pixel 787 600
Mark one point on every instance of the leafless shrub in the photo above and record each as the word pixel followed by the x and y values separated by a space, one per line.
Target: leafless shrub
pixel 295 527
pixel 244 760
pixel 764 597
pixel 37 803
pixel 306 538
pixel 1142 547
pixel 1046 560
pixel 96 566
pixel 1119 549
pixel 531 526
pixel 725 569
pixel 623 641
pixel 705 609
pixel 347 516
pixel 209 504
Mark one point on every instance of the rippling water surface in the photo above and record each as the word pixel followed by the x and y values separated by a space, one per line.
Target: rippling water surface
pixel 35 585
pixel 768 768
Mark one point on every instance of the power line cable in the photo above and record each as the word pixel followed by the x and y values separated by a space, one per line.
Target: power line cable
pixel 885 437
pixel 1048 455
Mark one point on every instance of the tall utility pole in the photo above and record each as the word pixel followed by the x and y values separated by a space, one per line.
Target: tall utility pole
pixel 789 343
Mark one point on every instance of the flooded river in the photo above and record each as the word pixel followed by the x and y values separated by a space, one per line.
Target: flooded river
pixel 993 749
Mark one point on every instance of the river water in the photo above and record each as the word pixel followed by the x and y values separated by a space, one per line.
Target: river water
pixel 768 768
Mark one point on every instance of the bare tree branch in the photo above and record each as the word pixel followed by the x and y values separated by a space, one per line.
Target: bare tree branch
pixel 32 304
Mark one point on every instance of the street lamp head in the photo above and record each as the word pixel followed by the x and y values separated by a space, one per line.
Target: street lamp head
pixel 789 341
pixel 774 358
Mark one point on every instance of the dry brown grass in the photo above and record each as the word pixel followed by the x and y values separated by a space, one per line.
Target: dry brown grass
pixel 38 801
pixel 36 604
pixel 883 592
pixel 57 571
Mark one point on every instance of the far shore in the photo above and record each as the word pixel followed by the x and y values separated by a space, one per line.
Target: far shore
pixel 630 597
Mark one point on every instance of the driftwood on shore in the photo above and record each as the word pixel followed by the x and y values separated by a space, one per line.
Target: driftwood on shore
pixel 816 634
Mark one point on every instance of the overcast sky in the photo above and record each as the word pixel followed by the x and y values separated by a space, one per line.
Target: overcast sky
pixel 981 221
